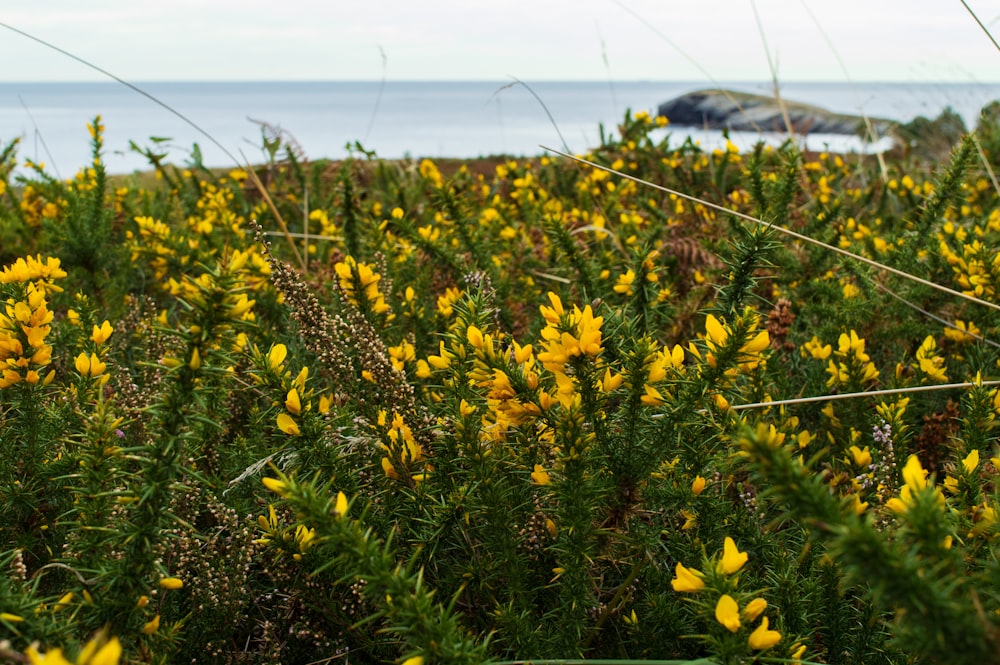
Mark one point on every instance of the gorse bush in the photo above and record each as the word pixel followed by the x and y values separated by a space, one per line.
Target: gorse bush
pixel 502 410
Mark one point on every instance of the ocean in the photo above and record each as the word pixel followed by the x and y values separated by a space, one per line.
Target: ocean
pixel 401 119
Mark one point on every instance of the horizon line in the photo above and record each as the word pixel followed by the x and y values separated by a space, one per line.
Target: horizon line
pixel 738 81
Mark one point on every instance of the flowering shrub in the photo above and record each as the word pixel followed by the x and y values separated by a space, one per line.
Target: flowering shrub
pixel 502 410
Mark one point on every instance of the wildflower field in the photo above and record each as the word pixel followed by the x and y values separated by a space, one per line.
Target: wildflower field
pixel 504 410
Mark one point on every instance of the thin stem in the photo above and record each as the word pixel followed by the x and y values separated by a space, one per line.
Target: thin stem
pixel 774 72
pixel 125 83
pixel 517 81
pixel 781 229
pixel 969 9
pixel 868 393
pixel 940 320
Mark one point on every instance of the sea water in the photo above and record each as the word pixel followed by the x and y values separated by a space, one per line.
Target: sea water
pixel 400 119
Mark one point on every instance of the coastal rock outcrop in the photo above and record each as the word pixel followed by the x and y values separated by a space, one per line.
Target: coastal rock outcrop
pixel 742 111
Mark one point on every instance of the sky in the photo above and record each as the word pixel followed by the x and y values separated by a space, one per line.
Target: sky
pixel 623 40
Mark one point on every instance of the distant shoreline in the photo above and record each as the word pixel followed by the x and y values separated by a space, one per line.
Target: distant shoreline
pixel 453 119
pixel 698 82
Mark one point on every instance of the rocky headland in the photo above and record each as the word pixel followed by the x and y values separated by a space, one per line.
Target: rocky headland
pixel 742 111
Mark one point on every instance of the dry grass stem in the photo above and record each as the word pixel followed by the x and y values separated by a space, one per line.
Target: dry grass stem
pixel 780 229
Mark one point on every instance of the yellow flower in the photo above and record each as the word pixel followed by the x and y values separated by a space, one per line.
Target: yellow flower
pixel 277 356
pixel 89 366
pixel 35 267
pixel 304 537
pixel 624 283
pixel 152 626
pixel 414 660
pixel 727 612
pixel 101 334
pixel 10 618
pixel 94 653
pixel 610 381
pixel 171 583
pixel 268 524
pixel 240 307
pixel 540 476
pixel 971 461
pixel 928 362
pixel 687 580
pixel 287 425
pixel 915 479
pixel 341 504
pixel 862 458
pixel 717 333
pixel 653 397
pixel 63 602
pixel 760 341
pixel 52 657
pixel 732 558
pixel 475 337
pixel 754 609
pixel 896 505
pixel 962 332
pixel 698 486
pixel 195 362
pixel 850 342
pixel 914 474
pixel 279 487
pixel 521 353
pixel 293 403
pixel 762 638
pixel 816 349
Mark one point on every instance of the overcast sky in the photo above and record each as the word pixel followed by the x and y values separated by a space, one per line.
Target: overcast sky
pixel 859 40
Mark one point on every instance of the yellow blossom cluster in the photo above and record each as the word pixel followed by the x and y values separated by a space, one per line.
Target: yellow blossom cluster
pixel 298 541
pixel 91 365
pixel 97 651
pixel 24 325
pixel 915 482
pixel 298 397
pixel 447 300
pixel 975 262
pixel 215 210
pixel 853 366
pixel 727 611
pixel 403 453
pixel 493 372
pixel 928 362
pixel 34 269
pixel 360 285
pixel 567 337
pixel 35 208
pixel 963 332
pixel 660 363
pixel 750 355
pixel 152 243
pixel 429 171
